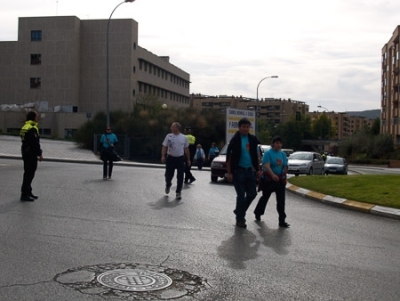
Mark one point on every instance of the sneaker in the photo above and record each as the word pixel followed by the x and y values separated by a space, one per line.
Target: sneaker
pixel 258 217
pixel 167 188
pixel 178 196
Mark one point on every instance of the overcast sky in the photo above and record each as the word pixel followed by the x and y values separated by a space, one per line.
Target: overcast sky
pixel 326 52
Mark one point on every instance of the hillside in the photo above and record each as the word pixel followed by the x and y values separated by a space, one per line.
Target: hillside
pixel 371 114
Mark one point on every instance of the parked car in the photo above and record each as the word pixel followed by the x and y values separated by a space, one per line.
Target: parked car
pixel 218 165
pixel 262 148
pixel 336 165
pixel 287 151
pixel 305 163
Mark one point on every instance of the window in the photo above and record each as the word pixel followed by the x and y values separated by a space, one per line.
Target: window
pixel 35 82
pixel 36 35
pixel 36 59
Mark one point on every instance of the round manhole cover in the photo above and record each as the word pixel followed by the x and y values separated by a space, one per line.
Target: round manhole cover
pixel 134 280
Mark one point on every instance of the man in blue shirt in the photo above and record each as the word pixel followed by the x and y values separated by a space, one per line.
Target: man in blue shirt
pixel 242 166
pixel 273 179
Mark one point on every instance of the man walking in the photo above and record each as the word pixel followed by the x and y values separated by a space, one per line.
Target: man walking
pixel 31 153
pixel 175 148
pixel 273 179
pixel 242 166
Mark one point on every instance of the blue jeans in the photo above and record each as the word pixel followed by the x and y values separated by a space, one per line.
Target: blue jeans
pixel 173 163
pixel 245 185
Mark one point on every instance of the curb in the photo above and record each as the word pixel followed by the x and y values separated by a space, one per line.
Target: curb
pixel 344 203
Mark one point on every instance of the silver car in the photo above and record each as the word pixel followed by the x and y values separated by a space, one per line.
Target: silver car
pixel 336 165
pixel 305 163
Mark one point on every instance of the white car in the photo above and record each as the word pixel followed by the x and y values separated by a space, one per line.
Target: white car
pixel 305 163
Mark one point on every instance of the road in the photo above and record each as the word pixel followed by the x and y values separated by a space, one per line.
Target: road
pixel 81 221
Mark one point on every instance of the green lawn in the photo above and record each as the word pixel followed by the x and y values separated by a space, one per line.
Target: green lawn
pixel 383 190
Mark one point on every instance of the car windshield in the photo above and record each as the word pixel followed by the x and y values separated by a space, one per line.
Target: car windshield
pixel 223 150
pixel 301 156
pixel 334 161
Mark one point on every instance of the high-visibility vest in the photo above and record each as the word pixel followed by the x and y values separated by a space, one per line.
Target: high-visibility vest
pixel 27 126
pixel 191 139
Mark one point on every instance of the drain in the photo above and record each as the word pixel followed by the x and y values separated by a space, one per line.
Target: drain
pixel 134 280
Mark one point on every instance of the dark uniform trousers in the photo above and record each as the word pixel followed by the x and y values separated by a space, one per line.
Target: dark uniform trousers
pixel 30 166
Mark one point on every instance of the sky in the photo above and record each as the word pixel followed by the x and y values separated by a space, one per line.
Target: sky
pixel 325 52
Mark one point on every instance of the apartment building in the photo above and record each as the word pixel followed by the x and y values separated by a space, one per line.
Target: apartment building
pixel 343 124
pixel 390 88
pixel 58 67
pixel 272 109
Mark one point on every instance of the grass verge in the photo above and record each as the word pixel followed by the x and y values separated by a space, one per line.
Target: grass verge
pixel 383 190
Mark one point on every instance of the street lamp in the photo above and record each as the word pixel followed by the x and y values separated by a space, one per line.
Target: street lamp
pixel 272 76
pixel 329 125
pixel 108 64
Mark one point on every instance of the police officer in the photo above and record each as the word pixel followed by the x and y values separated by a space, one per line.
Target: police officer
pixel 31 153
pixel 189 178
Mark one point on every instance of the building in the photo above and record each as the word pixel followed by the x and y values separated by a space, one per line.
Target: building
pixel 58 67
pixel 272 109
pixel 390 88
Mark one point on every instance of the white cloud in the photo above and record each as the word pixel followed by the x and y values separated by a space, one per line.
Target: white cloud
pixel 326 53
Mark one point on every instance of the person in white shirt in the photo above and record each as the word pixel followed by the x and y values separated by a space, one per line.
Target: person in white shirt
pixel 175 148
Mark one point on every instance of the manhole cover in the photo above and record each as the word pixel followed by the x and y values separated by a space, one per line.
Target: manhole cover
pixel 134 280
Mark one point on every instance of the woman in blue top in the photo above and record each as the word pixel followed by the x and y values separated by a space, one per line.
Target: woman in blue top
pixel 107 142
pixel 273 179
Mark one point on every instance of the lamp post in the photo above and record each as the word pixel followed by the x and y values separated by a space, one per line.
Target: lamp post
pixel 329 125
pixel 272 76
pixel 108 64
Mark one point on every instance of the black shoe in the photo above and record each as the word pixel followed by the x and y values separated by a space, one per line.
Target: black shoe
pixel 192 180
pixel 27 198
pixel 284 225
pixel 258 217
pixel 34 196
pixel 241 224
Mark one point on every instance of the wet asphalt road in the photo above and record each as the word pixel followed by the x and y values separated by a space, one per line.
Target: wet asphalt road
pixel 79 220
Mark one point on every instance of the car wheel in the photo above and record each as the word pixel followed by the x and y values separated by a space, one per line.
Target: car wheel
pixel 326 172
pixel 297 175
pixel 310 172
pixel 214 179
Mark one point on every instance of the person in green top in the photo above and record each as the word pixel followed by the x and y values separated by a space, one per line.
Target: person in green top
pixel 189 178
pixel 31 153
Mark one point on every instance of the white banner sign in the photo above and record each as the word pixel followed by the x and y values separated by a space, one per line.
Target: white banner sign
pixel 232 119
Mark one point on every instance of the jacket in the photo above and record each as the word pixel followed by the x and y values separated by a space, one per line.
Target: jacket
pixel 30 139
pixel 234 151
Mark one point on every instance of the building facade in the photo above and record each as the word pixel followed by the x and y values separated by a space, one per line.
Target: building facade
pixel 58 65
pixel 273 110
pixel 390 88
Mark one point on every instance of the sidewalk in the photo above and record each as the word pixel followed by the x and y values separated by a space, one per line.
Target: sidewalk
pixel 66 151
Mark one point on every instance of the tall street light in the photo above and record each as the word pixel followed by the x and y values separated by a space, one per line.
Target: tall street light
pixel 329 125
pixel 272 76
pixel 108 64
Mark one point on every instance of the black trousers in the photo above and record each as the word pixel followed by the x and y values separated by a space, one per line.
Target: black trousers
pixel 280 189
pixel 173 163
pixel 107 166
pixel 30 166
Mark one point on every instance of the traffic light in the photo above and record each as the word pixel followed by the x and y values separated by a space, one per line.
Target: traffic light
pixel 298 116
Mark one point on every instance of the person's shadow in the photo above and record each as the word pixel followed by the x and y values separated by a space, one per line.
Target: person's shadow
pixel 165 202
pixel 240 247
pixel 276 239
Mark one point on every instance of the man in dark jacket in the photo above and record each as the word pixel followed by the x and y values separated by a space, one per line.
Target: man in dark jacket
pixel 31 153
pixel 242 166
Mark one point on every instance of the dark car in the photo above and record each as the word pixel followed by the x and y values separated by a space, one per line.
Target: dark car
pixel 336 165
pixel 218 165
pixel 305 163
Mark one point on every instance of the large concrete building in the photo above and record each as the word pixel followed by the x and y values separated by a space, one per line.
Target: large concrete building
pixel 390 88
pixel 58 67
